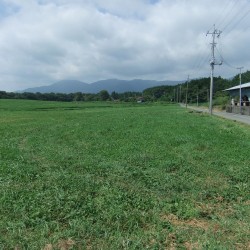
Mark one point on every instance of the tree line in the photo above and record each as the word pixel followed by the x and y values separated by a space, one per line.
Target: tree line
pixel 103 95
pixel 189 90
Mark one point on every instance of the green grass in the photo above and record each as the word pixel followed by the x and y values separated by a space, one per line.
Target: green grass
pixel 121 176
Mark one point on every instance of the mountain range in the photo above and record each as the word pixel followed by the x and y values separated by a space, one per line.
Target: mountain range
pixel 119 86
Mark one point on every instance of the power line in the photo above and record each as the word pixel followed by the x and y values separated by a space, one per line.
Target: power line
pixel 222 20
pixel 230 17
pixel 245 75
pixel 224 61
pixel 234 17
pixel 201 62
pixel 233 67
pixel 245 14
pixel 200 58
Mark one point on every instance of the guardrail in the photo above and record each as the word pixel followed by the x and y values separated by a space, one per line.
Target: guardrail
pixel 245 110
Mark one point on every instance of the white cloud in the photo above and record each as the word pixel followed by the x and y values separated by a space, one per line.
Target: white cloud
pixel 43 41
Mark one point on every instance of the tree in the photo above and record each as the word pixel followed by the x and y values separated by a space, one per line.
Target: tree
pixel 78 96
pixel 103 95
pixel 114 95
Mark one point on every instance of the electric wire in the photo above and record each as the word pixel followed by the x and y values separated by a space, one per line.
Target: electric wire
pixel 230 17
pixel 233 22
pixel 234 17
pixel 222 17
pixel 205 59
pixel 245 75
pixel 198 62
pixel 224 61
pixel 202 63
pixel 239 20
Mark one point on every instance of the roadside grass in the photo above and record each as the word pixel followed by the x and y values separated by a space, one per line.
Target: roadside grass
pixel 121 176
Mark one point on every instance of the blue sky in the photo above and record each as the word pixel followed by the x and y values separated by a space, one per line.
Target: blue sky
pixel 44 41
pixel 7 9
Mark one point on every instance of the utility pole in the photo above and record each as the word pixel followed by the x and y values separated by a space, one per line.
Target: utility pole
pixel 187 91
pixel 240 68
pixel 212 63
pixel 177 95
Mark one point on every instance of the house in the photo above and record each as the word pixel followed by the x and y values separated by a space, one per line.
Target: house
pixel 235 91
pixel 140 99
pixel 237 106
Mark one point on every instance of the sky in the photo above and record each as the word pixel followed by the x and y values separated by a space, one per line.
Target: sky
pixel 44 41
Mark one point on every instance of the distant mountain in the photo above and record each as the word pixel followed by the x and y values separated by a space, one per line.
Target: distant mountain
pixel 119 86
pixel 64 86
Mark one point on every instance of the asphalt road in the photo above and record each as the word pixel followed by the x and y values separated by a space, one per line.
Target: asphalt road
pixel 235 117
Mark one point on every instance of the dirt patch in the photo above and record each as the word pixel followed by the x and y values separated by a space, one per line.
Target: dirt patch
pixel 196 223
pixel 62 245
pixel 240 246
pixel 48 247
pixel 66 244
pixel 218 182
pixel 192 246
pixel 247 202
pixel 220 209
pixel 170 242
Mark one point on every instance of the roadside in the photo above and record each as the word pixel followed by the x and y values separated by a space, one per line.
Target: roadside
pixel 235 117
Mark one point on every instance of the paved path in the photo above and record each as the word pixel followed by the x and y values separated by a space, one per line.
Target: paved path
pixel 235 117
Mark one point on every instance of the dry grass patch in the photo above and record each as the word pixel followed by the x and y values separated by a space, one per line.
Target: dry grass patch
pixel 217 182
pixel 62 245
pixel 240 246
pixel 192 246
pixel 170 242
pixel 219 209
pixel 66 244
pixel 247 203
pixel 195 223
pixel 48 247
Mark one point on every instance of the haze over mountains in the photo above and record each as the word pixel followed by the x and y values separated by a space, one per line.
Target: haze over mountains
pixel 119 86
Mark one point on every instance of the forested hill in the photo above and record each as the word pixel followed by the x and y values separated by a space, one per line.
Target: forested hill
pixel 197 87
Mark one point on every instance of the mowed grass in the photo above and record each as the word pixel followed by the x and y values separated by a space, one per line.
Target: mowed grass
pixel 121 176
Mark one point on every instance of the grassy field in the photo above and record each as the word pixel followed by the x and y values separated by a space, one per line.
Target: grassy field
pixel 121 176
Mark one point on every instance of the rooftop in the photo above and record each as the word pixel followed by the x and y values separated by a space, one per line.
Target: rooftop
pixel 245 85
